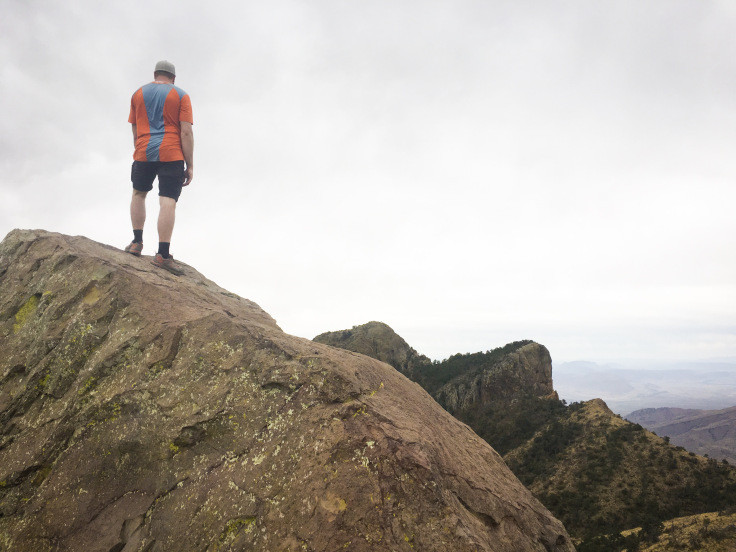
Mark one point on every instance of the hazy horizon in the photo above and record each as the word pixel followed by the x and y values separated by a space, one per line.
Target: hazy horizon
pixel 628 387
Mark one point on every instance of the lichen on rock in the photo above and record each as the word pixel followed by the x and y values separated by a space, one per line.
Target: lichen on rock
pixel 145 412
pixel 25 311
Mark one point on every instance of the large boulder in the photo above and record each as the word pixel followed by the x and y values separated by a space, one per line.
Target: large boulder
pixel 144 412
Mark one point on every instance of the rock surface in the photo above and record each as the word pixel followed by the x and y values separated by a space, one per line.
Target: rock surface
pixel 144 412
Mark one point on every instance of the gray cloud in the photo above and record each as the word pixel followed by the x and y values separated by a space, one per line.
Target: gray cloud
pixel 469 172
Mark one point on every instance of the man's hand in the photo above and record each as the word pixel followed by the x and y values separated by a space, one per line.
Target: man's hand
pixel 188 176
pixel 187 148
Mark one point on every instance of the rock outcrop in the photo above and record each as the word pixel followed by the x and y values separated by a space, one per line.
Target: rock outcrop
pixel 523 372
pixel 461 382
pixel 379 341
pixel 144 412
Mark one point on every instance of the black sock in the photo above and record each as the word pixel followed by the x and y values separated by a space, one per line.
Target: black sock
pixel 138 236
pixel 163 248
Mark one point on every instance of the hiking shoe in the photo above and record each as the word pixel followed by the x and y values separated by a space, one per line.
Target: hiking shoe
pixel 134 249
pixel 167 264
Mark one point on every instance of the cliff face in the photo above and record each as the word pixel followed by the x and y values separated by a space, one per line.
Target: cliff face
pixel 461 382
pixel 526 371
pixel 141 412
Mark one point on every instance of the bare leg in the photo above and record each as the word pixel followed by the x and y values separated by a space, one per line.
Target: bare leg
pixel 138 209
pixel 166 217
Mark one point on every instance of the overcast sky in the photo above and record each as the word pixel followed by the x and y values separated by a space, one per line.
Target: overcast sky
pixel 469 172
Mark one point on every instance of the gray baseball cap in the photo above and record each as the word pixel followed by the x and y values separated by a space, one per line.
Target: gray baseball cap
pixel 167 66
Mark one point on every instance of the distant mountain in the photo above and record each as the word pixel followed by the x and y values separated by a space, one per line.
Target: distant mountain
pixel 651 417
pixel 595 471
pixel 632 386
pixel 705 432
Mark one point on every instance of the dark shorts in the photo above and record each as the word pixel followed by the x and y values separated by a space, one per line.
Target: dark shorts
pixel 170 177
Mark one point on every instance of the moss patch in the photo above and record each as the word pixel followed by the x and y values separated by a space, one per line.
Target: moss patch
pixel 25 312
pixel 233 528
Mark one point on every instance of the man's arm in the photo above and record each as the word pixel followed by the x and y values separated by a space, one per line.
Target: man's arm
pixel 135 133
pixel 187 148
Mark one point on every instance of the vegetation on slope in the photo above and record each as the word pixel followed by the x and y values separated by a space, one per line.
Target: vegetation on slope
pixel 596 472
pixel 600 474
pixel 508 426
pixel 433 376
pixel 709 532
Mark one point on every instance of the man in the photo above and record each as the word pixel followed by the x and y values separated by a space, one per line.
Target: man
pixel 161 116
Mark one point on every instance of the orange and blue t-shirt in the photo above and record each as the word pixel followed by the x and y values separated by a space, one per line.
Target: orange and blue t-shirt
pixel 157 109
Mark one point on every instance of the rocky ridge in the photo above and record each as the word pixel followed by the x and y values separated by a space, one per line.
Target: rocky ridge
pixel 461 382
pixel 597 472
pixel 144 412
